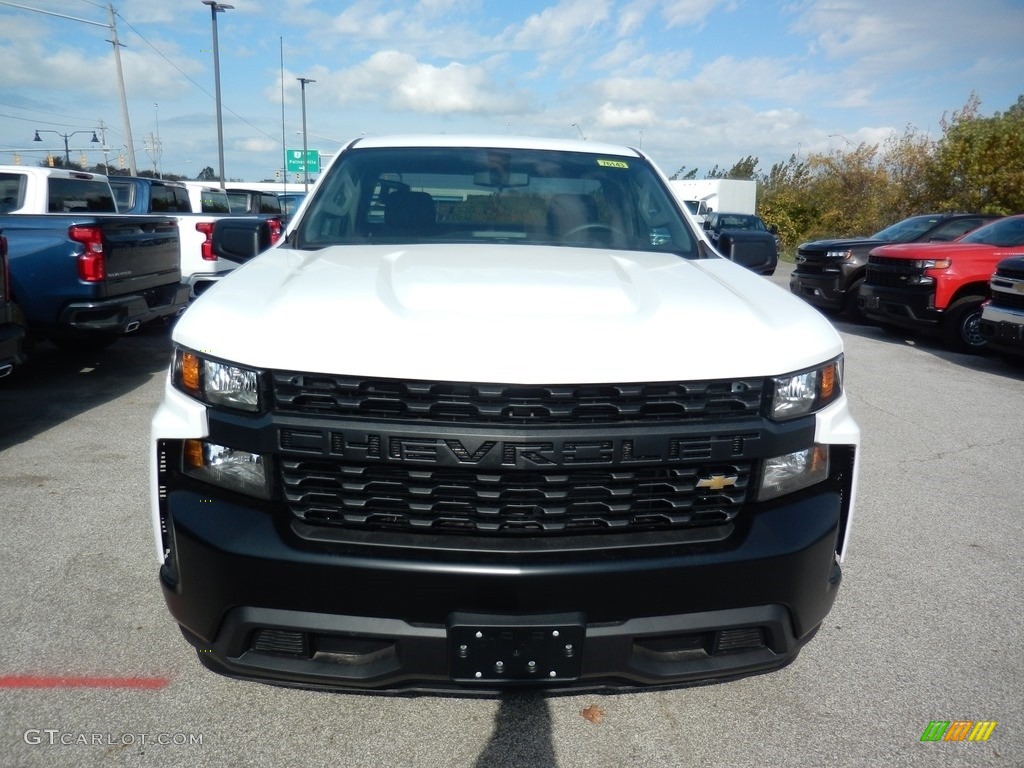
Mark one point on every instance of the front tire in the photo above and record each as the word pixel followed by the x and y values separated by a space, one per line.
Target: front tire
pixel 961 328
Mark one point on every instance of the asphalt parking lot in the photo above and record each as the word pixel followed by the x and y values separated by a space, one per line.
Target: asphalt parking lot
pixel 927 626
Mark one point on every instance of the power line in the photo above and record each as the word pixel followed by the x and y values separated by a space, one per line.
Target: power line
pixel 183 74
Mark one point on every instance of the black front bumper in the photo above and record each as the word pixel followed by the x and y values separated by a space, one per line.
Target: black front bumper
pixel 1003 336
pixel 822 290
pixel 265 598
pixel 906 308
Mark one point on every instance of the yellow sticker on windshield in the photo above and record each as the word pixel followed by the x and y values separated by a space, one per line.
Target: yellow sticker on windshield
pixel 612 164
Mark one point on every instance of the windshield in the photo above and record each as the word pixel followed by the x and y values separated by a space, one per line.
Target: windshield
pixel 1004 233
pixel 906 231
pixel 741 221
pixel 465 194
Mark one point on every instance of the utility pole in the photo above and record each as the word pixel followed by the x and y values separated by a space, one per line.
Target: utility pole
pixel 129 142
pixel 158 146
pixel 106 149
pixel 305 164
pixel 215 8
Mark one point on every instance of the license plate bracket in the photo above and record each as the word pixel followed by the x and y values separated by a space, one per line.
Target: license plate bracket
pixel 1008 332
pixel 484 648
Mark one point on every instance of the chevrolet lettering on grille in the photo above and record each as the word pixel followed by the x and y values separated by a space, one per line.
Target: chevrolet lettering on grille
pixel 514 452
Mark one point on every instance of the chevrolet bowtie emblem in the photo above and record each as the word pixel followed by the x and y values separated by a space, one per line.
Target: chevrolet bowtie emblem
pixel 717 482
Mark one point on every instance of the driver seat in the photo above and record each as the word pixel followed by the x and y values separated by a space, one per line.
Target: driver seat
pixel 569 212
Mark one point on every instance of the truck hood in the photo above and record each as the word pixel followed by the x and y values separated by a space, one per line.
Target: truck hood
pixel 833 245
pixel 933 250
pixel 505 313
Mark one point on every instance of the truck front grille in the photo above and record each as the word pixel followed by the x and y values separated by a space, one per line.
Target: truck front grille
pixel 891 273
pixel 1013 270
pixel 450 500
pixel 513 404
pixel 811 263
pixel 1005 300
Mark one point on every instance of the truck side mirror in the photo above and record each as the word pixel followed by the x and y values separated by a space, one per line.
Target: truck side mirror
pixel 240 238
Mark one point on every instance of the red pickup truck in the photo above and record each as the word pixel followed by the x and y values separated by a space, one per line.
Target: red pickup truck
pixel 939 287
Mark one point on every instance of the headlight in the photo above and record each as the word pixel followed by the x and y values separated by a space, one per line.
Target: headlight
pixel 802 393
pixel 793 471
pixel 227 467
pixel 216 383
pixel 933 263
pixel 839 254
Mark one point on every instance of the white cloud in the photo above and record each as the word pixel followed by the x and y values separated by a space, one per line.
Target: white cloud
pixel 687 13
pixel 368 22
pixel 406 84
pixel 258 145
pixel 561 25
pixel 609 116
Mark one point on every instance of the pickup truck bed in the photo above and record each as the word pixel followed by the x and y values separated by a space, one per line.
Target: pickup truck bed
pixel 75 276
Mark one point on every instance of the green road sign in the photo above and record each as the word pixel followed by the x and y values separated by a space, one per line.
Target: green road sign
pixel 293 158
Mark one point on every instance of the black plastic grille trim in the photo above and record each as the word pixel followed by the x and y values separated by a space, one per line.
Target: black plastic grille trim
pixel 890 273
pixel 1011 270
pixel 512 404
pixel 453 500
pixel 1008 300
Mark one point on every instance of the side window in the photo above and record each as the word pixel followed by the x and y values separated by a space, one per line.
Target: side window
pixel 214 202
pixel 79 196
pixel 123 196
pixel 270 204
pixel 181 202
pixel 161 199
pixel 951 230
pixel 12 191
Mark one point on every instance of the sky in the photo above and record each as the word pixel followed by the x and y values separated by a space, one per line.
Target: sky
pixel 694 83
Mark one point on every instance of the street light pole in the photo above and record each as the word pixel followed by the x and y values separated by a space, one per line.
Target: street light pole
pixel 65 136
pixel 216 8
pixel 305 164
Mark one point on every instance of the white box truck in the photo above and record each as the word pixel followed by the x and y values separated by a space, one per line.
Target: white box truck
pixel 702 196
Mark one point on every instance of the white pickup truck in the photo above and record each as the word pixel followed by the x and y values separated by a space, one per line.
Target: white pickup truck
pixel 496 415
pixel 197 209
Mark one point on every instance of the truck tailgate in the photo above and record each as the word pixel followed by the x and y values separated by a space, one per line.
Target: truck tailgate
pixel 140 252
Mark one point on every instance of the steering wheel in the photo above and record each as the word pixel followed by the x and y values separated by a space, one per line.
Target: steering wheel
pixel 595 226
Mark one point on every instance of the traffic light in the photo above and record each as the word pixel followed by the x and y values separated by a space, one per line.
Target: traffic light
pixel 277 175
pixel 49 160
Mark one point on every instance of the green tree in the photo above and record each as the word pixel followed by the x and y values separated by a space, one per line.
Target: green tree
pixel 979 161
pixel 907 160
pixel 682 173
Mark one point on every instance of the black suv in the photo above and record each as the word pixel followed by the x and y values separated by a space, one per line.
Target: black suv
pixel 829 272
